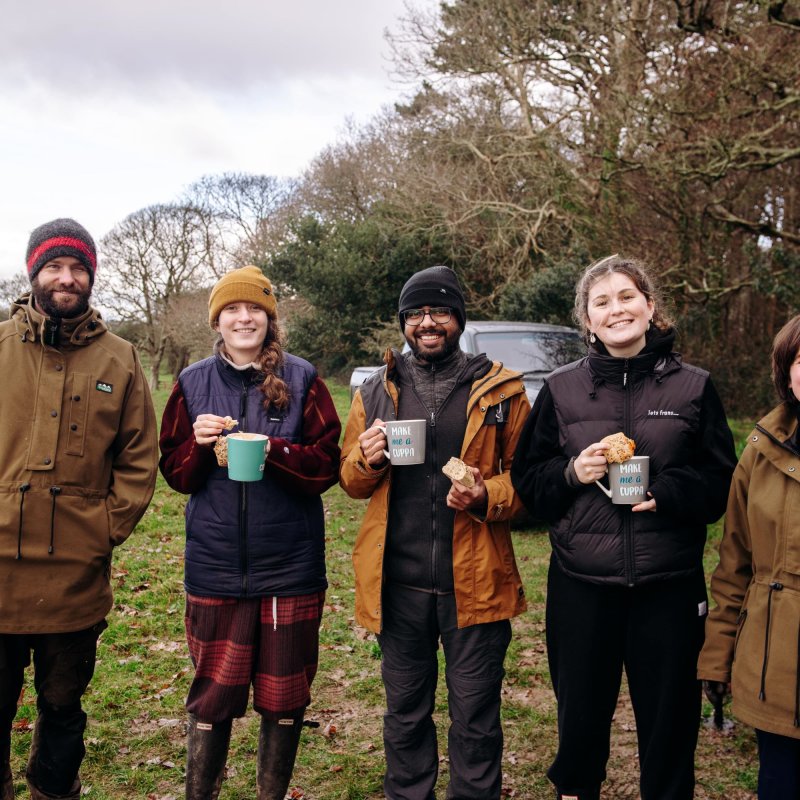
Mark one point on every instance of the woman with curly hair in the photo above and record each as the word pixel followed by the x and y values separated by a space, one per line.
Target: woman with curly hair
pixel 255 551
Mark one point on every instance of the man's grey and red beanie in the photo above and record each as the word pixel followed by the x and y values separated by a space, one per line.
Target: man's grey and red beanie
pixel 61 237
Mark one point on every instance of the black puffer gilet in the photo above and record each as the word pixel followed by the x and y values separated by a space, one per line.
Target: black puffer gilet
pixel 657 401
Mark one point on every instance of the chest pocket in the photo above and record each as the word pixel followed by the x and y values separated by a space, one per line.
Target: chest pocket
pixel 78 402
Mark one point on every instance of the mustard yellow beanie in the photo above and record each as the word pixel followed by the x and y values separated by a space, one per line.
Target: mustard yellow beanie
pixel 245 285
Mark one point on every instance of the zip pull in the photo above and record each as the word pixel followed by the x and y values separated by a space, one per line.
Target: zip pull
pixel 498 414
pixel 433 419
pixel 625 374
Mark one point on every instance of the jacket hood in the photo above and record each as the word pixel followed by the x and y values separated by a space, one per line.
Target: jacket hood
pixel 781 425
pixel 75 332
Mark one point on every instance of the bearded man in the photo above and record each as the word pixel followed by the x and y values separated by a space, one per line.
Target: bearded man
pixel 433 559
pixel 78 458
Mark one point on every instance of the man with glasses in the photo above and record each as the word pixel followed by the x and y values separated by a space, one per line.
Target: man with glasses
pixel 433 559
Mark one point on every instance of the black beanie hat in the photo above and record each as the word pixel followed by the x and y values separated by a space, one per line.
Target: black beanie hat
pixel 434 286
pixel 61 237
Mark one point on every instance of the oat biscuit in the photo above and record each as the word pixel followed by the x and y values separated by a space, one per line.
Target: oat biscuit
pixel 621 448
pixel 457 470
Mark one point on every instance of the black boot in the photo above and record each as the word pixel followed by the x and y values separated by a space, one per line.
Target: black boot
pixel 6 782
pixel 206 754
pixel 38 794
pixel 277 748
pixel 74 792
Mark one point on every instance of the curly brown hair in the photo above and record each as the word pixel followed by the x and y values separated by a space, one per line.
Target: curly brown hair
pixel 636 271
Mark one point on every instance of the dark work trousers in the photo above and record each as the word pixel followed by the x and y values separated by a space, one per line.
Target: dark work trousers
pixel 63 665
pixel 778 766
pixel 655 633
pixel 413 624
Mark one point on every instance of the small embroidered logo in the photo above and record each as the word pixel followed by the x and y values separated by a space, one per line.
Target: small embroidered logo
pixel 661 413
pixel 102 386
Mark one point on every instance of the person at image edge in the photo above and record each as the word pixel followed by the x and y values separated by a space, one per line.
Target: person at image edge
pixel 77 471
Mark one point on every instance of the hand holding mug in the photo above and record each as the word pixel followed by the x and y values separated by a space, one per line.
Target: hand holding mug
pixel 590 465
pixel 373 443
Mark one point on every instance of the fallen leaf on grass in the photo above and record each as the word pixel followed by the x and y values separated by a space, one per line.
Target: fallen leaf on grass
pixel 166 647
pixel 337 768
pixel 160 762
pixel 168 688
pixel 329 731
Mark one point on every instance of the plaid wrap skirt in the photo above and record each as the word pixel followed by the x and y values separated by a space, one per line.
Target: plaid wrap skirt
pixel 271 643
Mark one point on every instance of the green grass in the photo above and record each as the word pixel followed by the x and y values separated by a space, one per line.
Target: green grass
pixel 136 742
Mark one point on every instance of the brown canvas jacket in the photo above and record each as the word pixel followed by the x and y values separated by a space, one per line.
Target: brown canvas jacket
pixel 753 635
pixel 78 460
pixel 487 583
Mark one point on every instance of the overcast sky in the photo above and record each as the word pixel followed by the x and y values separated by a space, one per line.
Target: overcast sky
pixel 107 107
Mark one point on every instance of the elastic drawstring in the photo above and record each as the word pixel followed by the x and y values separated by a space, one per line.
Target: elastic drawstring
pixel 55 491
pixel 274 613
pixel 775 586
pixel 22 489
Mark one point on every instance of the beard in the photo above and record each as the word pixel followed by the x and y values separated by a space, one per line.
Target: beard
pixel 73 305
pixel 446 348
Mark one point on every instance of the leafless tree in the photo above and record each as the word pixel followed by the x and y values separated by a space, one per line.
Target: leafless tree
pixel 247 211
pixel 11 289
pixel 151 258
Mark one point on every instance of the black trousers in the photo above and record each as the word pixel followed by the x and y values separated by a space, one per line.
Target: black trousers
pixel 654 632
pixel 778 766
pixel 413 624
pixel 63 665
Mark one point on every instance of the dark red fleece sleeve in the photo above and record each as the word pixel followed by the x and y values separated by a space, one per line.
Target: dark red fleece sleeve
pixel 184 464
pixel 312 465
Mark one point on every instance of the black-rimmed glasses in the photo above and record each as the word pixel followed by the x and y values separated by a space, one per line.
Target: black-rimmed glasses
pixel 440 315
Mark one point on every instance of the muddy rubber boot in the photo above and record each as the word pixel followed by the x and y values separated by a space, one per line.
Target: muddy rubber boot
pixel 37 794
pixel 277 748
pixel 206 754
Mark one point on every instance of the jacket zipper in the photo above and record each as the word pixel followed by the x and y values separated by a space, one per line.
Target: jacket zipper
pixel 797 685
pixel 243 499
pixel 773 587
pixel 627 531
pixel 434 473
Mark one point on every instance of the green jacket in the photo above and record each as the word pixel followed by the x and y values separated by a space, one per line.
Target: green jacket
pixel 78 459
pixel 753 635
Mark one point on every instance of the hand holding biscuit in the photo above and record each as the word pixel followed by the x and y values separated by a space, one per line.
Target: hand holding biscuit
pixel 461 497
pixel 591 464
pixel 207 427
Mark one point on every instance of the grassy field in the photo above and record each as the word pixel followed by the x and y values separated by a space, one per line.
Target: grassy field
pixel 136 738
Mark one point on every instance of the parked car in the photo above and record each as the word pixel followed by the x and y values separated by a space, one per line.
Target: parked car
pixel 532 348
